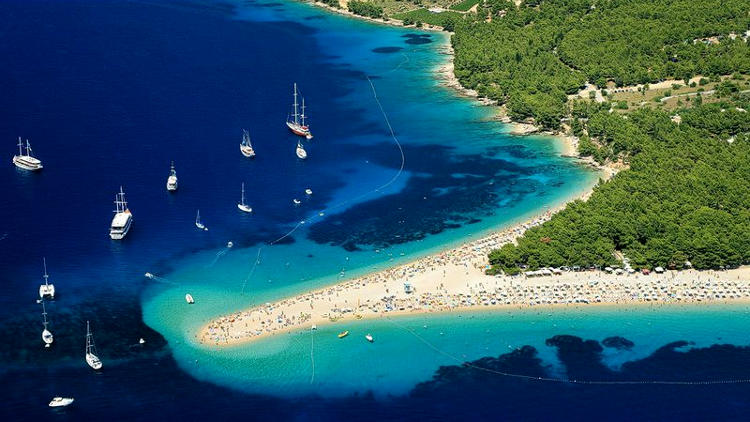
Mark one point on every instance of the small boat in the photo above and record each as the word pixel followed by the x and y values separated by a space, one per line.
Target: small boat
pixel 230 244
pixel 172 179
pixel 314 327
pixel 242 205
pixel 198 222
pixel 246 148
pixel 189 298
pixel 369 338
pixel 26 161
pixel 91 358
pixel 296 122
pixel 149 275
pixel 141 341
pixel 308 191
pixel 61 401
pixel 301 153
pixel 122 220
pixel 46 289
pixel 343 334
pixel 47 337
pixel 296 201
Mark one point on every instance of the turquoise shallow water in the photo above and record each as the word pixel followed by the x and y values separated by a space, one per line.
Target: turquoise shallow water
pixel 425 117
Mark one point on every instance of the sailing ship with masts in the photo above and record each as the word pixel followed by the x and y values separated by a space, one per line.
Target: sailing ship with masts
pixel 246 147
pixel 26 161
pixel 91 358
pixel 242 205
pixel 122 220
pixel 47 337
pixel 296 122
pixel 46 289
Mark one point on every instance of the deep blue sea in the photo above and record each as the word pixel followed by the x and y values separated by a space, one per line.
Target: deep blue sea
pixel 110 93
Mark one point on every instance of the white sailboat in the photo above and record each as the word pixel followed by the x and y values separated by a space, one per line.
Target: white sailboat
pixel 301 153
pixel 46 289
pixel 246 148
pixel 26 161
pixel 47 337
pixel 122 220
pixel 242 205
pixel 198 222
pixel 297 121
pixel 172 179
pixel 91 358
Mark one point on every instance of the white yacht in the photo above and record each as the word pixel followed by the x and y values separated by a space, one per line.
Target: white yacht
pixel 369 338
pixel 61 401
pixel 296 201
pixel 91 358
pixel 122 220
pixel 47 337
pixel 172 179
pixel 308 192
pixel 242 205
pixel 26 161
pixel 246 148
pixel 46 289
pixel 301 153
pixel 198 222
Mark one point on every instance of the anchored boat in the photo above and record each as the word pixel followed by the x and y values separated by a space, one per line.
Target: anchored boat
pixel 122 220
pixel 246 148
pixel 296 122
pixel 301 153
pixel 172 179
pixel 26 161
pixel 242 205
pixel 91 358
pixel 47 337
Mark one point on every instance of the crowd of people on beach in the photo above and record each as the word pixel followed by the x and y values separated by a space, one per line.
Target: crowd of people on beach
pixel 455 280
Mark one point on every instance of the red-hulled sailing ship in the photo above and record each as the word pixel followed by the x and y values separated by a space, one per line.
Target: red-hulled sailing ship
pixel 296 122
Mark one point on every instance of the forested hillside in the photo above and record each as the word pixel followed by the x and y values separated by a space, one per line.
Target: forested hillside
pixel 532 56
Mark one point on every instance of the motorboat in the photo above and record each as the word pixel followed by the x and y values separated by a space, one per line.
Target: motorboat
pixel 308 191
pixel 369 338
pixel 189 298
pixel 61 401
pixel 343 334
pixel 172 179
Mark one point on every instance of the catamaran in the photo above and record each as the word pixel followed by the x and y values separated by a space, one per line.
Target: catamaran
pixel 47 337
pixel 198 222
pixel 26 161
pixel 172 179
pixel 122 220
pixel 91 358
pixel 246 148
pixel 46 289
pixel 296 122
pixel 301 153
pixel 242 205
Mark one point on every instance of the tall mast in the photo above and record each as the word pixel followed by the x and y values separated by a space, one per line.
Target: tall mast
pixel 28 148
pixel 46 276
pixel 20 146
pixel 243 193
pixel 296 114
pixel 88 335
pixel 303 111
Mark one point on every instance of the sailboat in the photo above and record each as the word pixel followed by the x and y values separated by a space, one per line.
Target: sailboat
pixel 198 222
pixel 172 179
pixel 242 205
pixel 91 358
pixel 296 122
pixel 246 148
pixel 301 153
pixel 26 161
pixel 122 220
pixel 47 337
pixel 46 289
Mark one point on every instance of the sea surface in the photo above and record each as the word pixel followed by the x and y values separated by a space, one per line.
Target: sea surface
pixel 110 93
